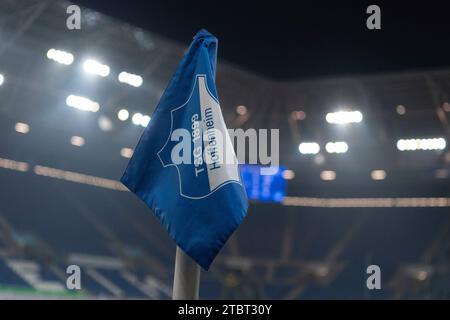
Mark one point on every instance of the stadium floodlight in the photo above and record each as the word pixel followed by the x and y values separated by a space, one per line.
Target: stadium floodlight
pixel 309 148
pixel 336 147
pixel 105 124
pixel 123 114
pixel 77 141
pixel 94 67
pixel 126 152
pixel 344 117
pixel 400 109
pixel 241 110
pixel 2 79
pixel 145 121
pixel 421 144
pixel 288 174
pixel 297 115
pixel 141 120
pixel 22 127
pixel 328 175
pixel 82 103
pixel 14 165
pixel 442 173
pixel 133 80
pixel 60 56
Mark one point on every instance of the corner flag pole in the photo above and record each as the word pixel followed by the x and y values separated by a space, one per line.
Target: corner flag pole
pixel 187 277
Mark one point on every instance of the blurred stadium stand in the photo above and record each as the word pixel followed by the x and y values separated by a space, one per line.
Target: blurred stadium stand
pixel 51 217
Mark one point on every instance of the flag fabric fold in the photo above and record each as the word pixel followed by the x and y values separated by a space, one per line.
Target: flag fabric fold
pixel 181 165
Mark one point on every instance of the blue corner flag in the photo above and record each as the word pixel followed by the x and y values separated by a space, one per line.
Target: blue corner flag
pixel 180 167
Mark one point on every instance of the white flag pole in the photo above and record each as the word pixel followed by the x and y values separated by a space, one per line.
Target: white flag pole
pixel 187 277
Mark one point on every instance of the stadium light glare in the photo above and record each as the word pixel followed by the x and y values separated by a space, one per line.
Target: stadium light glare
pixel 97 68
pixel 421 144
pixel 77 141
pixel 2 79
pixel 60 56
pixel 105 124
pixel 22 127
pixel 321 270
pixel 123 115
pixel 336 147
pixel 344 117
pixel 309 148
pixel 133 80
pixel 126 152
pixel 328 175
pixel 288 174
pixel 319 159
pixel 82 103
pixel 442 174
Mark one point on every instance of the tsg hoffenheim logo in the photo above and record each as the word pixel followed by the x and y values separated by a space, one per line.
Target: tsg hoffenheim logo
pixel 199 146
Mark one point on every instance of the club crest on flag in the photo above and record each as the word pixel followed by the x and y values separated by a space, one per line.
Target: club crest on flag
pixel 200 150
